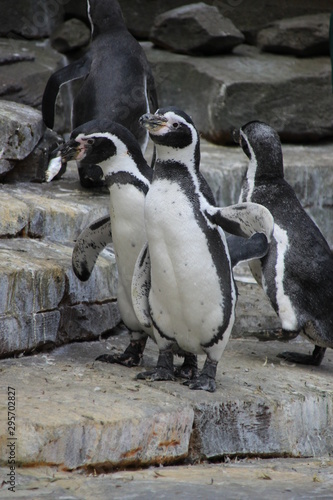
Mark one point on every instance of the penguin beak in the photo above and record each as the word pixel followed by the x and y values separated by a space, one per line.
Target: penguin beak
pixel 153 123
pixel 72 150
pixel 236 136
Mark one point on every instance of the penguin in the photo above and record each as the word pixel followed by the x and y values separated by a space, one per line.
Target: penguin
pixel 117 81
pixel 297 272
pixel 128 176
pixel 183 285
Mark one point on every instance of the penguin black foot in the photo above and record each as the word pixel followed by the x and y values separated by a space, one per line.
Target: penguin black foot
pixel 131 356
pixel 206 380
pixel 163 370
pixel 313 359
pixel 189 369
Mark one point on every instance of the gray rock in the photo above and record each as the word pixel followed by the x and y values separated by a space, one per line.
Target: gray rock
pixel 195 29
pixel 302 36
pixel 43 303
pixel 33 167
pixel 273 478
pixel 249 17
pixel 31 19
pixel 23 80
pixel 21 127
pixel 72 34
pixel 293 95
pixel 74 412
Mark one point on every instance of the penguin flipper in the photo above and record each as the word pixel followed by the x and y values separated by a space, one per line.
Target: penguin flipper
pixel 141 287
pixel 74 71
pixel 243 219
pixel 89 245
pixel 242 249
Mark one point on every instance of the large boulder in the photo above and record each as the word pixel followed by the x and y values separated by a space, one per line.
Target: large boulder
pixel 31 19
pixel 25 67
pixel 301 36
pixel 249 17
pixel 197 28
pixel 224 92
pixel 21 127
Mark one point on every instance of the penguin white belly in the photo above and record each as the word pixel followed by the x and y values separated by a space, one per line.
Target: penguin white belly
pixel 287 312
pixel 128 235
pixel 186 299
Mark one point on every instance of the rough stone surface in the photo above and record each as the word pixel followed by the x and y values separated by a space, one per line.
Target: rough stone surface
pixel 223 92
pixel 197 28
pixel 30 19
pixel 71 35
pixel 99 416
pixel 26 67
pixel 42 302
pixel 103 416
pixel 246 478
pixel 21 127
pixel 249 16
pixel 302 36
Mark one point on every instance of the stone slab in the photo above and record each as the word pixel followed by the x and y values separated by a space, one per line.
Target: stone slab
pixel 248 479
pixel 24 77
pixel 43 303
pixel 21 127
pixel 74 412
pixel 224 92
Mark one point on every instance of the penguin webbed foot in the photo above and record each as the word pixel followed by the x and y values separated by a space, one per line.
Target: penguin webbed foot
pixel 132 355
pixel 164 368
pixel 313 359
pixel 189 368
pixel 206 380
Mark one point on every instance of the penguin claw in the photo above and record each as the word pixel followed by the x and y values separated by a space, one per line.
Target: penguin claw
pixel 156 374
pixel 202 383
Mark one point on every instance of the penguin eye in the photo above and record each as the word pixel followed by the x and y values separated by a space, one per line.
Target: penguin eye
pixel 175 125
pixel 90 142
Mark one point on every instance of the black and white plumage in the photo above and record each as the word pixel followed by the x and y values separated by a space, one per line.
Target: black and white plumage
pixel 118 83
pixel 127 175
pixel 115 150
pixel 183 284
pixel 297 272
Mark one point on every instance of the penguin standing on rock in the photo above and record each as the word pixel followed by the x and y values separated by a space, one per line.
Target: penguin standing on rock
pixel 127 175
pixel 297 272
pixel 183 284
pixel 118 83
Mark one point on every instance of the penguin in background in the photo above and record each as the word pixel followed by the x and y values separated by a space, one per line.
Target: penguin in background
pixel 297 272
pixel 117 82
pixel 183 285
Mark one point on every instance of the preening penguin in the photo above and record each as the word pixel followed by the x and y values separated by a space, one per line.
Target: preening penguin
pixel 297 272
pixel 183 284
pixel 118 83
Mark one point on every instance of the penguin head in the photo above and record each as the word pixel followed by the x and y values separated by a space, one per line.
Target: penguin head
pixel 104 16
pixel 174 134
pixel 262 145
pixel 99 141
